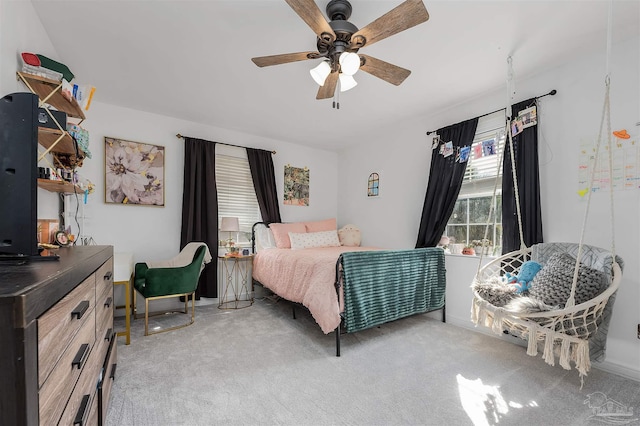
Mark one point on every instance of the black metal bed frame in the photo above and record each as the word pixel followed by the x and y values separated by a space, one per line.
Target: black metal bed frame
pixel 337 284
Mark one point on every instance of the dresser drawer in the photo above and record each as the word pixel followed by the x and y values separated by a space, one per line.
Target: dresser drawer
pixel 59 385
pixel 94 420
pixel 104 323
pixel 58 326
pixel 104 278
pixel 104 390
pixel 79 407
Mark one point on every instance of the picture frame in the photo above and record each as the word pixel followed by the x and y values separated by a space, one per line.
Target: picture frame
pixel 134 173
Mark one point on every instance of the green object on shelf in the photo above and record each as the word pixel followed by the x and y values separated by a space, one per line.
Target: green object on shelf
pixel 56 66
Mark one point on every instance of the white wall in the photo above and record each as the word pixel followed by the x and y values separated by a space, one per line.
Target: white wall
pixel 154 232
pixel 20 31
pixel 150 232
pixel 402 156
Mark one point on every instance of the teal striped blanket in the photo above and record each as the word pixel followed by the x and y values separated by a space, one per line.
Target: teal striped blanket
pixel 382 286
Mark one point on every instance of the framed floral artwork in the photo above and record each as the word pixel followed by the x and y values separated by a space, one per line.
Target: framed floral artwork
pixel 134 173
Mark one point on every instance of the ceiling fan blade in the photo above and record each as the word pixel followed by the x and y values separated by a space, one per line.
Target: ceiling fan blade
pixel 329 88
pixel 312 15
pixel 384 70
pixel 406 15
pixel 265 61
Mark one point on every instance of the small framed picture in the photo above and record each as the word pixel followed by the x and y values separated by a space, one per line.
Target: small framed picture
pixel 61 238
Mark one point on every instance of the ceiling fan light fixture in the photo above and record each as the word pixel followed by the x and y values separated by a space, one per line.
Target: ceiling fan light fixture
pixel 349 63
pixel 347 82
pixel 321 72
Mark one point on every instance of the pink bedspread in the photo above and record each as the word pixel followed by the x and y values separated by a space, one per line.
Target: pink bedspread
pixel 304 276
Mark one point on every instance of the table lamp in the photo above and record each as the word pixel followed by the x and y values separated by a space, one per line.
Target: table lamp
pixel 230 224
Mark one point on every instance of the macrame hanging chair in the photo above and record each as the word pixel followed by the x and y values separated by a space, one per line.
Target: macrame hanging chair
pixel 567 330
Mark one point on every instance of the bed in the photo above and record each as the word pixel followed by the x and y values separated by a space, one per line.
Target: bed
pixel 349 288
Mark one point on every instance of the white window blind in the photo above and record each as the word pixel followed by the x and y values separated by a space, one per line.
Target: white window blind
pixel 236 194
pixel 481 172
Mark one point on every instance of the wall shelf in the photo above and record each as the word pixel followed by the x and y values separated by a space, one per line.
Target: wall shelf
pixel 47 137
pixel 59 186
pixel 49 92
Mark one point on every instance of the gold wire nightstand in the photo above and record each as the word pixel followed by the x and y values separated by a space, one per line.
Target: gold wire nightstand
pixel 235 277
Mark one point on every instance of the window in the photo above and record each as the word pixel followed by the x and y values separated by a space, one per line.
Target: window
pixel 471 211
pixel 236 194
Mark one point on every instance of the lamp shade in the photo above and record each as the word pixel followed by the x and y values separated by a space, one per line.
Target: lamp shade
pixel 320 72
pixel 349 63
pixel 229 224
pixel 347 82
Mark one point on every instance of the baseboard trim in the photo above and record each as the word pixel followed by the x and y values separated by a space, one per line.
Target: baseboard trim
pixel 618 369
pixel 607 366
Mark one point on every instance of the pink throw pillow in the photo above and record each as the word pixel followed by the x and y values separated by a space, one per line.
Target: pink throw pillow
pixel 281 232
pixel 321 225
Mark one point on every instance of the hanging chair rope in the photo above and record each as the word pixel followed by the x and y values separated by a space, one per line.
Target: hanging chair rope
pixel 515 186
pixel 571 327
pixel 493 202
pixel 606 114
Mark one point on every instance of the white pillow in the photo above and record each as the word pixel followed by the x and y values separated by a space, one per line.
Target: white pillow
pixel 314 239
pixel 264 238
pixel 349 236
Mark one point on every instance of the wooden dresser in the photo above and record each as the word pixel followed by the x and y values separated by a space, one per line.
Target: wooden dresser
pixel 57 343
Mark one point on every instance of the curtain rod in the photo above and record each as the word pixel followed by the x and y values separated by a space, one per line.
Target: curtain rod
pixel 551 93
pixel 179 136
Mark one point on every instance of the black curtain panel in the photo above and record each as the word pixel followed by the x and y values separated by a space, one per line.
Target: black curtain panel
pixel 445 180
pixel 264 182
pixel 200 207
pixel 525 149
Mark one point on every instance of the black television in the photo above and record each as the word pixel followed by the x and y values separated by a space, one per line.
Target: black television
pixel 18 175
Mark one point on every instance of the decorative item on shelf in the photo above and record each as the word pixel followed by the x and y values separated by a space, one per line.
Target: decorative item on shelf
pixel 230 224
pixel 62 238
pixel 81 137
pixel 469 250
pixel 444 243
pixel 484 246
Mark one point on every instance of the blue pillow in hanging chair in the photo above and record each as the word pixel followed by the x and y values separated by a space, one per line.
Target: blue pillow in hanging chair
pixel 525 276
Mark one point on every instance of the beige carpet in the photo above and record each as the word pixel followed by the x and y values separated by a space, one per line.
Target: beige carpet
pixel 258 366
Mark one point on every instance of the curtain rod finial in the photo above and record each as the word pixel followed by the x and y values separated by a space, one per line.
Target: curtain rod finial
pixel 179 136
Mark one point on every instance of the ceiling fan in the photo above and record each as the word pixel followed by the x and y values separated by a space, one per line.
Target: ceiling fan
pixel 339 41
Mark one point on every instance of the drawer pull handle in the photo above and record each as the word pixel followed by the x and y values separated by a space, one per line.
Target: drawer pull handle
pixel 112 376
pixel 81 356
pixel 107 336
pixel 83 410
pixel 108 302
pixel 80 309
pixel 108 276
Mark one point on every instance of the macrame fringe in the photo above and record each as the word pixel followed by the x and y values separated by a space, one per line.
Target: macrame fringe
pixel 498 317
pixel 583 363
pixel 565 354
pixel 532 347
pixel 548 355
pixel 474 311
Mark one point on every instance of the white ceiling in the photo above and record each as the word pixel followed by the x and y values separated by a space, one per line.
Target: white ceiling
pixel 191 59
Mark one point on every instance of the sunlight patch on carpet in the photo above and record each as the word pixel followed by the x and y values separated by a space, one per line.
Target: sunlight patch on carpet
pixel 484 404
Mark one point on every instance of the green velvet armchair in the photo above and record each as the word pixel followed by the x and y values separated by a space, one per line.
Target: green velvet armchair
pixel 159 282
